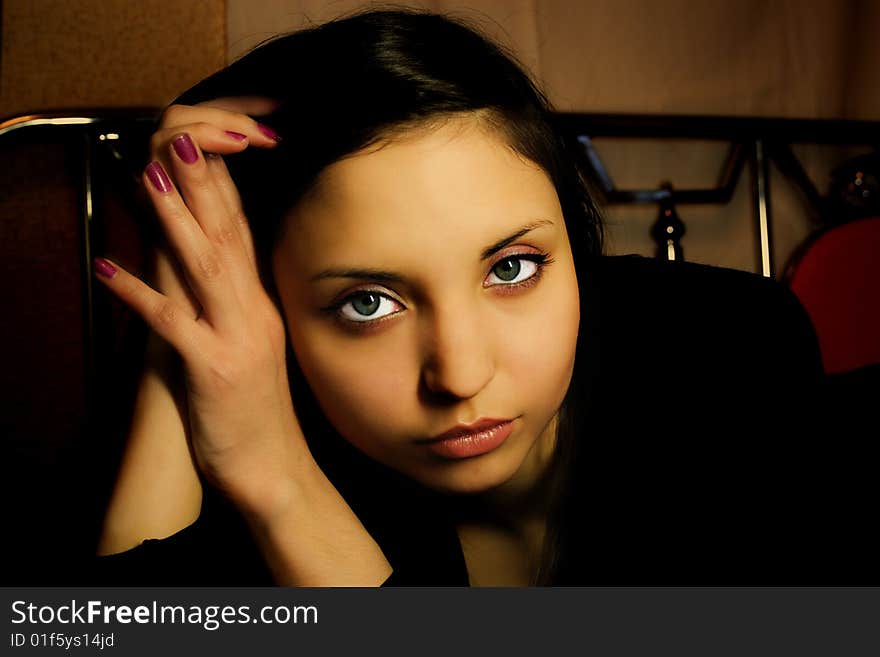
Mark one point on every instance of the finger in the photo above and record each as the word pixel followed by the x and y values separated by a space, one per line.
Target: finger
pixel 168 319
pixel 232 200
pixel 214 211
pixel 253 105
pixel 180 115
pixel 170 280
pixel 228 193
pixel 210 137
pixel 207 271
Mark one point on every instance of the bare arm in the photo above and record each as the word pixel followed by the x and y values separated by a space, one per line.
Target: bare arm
pixel 244 436
pixel 157 491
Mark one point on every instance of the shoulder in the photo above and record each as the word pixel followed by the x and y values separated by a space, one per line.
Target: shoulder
pixel 701 316
pixel 715 357
pixel 694 291
pixel 705 458
pixel 694 423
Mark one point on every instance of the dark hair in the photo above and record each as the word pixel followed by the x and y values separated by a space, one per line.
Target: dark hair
pixel 361 80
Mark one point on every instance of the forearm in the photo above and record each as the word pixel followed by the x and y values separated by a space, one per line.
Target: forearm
pixel 157 491
pixel 314 538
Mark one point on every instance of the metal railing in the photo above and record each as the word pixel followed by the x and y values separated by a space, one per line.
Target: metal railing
pixel 759 141
pixel 116 138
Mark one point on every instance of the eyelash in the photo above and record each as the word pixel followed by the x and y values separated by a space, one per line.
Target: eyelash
pixel 541 261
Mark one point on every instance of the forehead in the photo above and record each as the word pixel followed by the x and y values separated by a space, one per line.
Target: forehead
pixel 457 184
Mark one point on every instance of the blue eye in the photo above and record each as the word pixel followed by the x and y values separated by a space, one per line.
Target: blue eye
pixel 518 269
pixel 509 269
pixel 367 306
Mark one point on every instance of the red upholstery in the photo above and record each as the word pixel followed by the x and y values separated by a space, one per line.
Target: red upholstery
pixel 837 280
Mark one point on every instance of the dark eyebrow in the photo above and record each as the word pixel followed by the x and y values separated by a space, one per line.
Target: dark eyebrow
pixel 384 276
pixel 489 251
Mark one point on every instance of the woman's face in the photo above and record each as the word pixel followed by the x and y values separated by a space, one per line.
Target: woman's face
pixel 415 297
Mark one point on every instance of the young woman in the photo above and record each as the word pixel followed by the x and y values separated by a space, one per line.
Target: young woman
pixel 403 358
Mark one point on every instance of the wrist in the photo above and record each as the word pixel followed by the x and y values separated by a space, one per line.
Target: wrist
pixel 281 491
pixel 310 536
pixel 281 479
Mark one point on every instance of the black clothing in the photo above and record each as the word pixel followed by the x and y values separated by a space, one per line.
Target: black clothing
pixel 697 461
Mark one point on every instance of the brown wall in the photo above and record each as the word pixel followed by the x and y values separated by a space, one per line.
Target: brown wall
pixel 106 53
pixel 787 58
pixel 794 58
pixel 790 58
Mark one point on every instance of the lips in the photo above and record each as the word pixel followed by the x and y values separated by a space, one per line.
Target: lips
pixel 468 429
pixel 469 440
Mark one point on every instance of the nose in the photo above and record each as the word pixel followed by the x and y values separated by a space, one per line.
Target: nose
pixel 459 360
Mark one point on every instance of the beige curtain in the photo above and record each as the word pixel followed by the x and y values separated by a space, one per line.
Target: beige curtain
pixel 786 58
pixel 796 58
pixel 789 58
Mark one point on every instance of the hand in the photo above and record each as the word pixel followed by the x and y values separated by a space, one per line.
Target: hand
pixel 212 309
pixel 217 126
pixel 219 319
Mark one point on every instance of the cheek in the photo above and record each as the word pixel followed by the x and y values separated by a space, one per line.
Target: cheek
pixel 359 389
pixel 539 354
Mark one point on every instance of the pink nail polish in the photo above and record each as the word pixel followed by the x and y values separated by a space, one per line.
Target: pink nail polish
pixel 185 149
pixel 157 176
pixel 104 268
pixel 269 132
pixel 237 136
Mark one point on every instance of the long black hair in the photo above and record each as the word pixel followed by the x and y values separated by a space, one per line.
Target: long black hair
pixel 363 79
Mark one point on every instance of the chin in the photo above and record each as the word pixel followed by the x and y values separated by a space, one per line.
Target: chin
pixel 467 476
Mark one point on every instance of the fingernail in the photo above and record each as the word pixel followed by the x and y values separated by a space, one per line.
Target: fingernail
pixel 269 132
pixel 237 136
pixel 185 149
pixel 158 177
pixel 104 268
